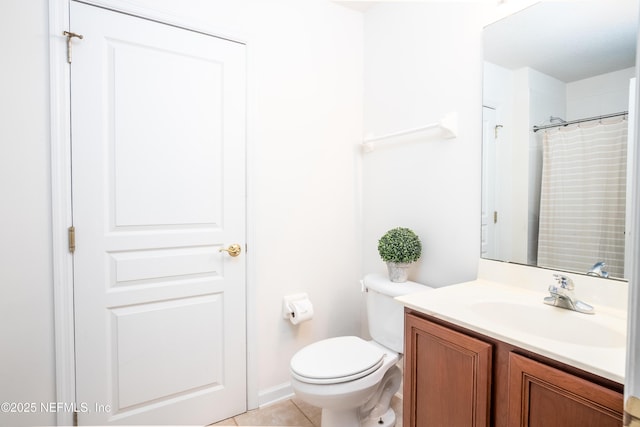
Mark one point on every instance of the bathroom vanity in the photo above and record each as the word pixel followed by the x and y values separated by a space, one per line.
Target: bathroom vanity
pixel 490 352
pixel 486 353
pixel 454 376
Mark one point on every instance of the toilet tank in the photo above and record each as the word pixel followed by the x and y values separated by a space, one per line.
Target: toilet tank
pixel 385 315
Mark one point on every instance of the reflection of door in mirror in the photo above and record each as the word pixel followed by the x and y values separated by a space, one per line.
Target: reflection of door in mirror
pixel 490 247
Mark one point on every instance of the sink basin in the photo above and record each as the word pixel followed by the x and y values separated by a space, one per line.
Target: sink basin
pixel 551 323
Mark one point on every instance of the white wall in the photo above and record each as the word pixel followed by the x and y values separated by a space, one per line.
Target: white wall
pixel 546 98
pixel 306 96
pixel 604 94
pixel 27 366
pixel 305 117
pixel 423 60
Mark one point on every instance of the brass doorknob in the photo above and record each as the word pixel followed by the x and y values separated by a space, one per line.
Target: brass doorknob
pixel 233 250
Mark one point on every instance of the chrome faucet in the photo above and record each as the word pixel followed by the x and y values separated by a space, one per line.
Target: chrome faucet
pixel 598 270
pixel 562 296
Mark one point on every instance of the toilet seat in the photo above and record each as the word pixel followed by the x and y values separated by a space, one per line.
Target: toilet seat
pixel 336 360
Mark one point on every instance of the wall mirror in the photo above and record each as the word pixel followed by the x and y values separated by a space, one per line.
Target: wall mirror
pixel 555 195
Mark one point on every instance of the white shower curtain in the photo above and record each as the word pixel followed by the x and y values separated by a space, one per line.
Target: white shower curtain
pixel 582 201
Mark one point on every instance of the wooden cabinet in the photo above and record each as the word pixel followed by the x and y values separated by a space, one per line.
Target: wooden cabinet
pixel 456 377
pixel 447 377
pixel 542 396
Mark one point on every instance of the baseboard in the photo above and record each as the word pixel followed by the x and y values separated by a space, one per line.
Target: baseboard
pixel 282 392
pixel 274 394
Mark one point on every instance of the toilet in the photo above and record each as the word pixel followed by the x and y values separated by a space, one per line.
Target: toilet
pixel 351 379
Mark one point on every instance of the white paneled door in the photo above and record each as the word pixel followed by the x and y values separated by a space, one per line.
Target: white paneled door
pixel 158 165
pixel 489 212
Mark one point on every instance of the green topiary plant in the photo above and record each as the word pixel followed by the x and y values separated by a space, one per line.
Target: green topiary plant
pixel 400 245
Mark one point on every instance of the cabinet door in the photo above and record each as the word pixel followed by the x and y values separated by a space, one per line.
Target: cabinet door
pixel 447 377
pixel 542 396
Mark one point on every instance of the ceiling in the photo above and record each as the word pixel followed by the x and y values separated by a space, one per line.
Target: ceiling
pixel 364 5
pixel 569 40
pixel 359 5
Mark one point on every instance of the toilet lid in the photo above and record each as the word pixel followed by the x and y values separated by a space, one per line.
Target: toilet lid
pixel 336 360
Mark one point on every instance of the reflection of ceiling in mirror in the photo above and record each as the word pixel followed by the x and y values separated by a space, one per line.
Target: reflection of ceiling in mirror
pixel 364 5
pixel 568 40
pixel 359 5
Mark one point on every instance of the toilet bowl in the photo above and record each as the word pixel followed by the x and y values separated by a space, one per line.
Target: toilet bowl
pixel 351 379
pixel 342 389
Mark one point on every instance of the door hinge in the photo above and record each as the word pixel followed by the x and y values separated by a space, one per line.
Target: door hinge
pixel 495 217
pixel 495 130
pixel 72 239
pixel 69 36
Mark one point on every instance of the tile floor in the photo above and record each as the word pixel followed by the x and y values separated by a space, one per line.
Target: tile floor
pixel 292 412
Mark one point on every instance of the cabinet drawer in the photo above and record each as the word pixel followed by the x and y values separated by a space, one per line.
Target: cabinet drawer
pixel 543 396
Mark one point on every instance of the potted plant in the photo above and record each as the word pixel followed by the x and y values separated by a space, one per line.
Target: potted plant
pixel 399 248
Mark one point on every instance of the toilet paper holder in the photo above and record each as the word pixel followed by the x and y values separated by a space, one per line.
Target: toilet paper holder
pixel 287 304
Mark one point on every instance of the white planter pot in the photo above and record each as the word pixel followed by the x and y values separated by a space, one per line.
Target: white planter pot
pixel 398 271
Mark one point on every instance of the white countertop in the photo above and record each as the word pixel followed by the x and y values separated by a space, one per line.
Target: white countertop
pixel 517 315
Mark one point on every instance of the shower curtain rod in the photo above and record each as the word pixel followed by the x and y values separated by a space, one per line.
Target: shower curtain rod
pixel 570 122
